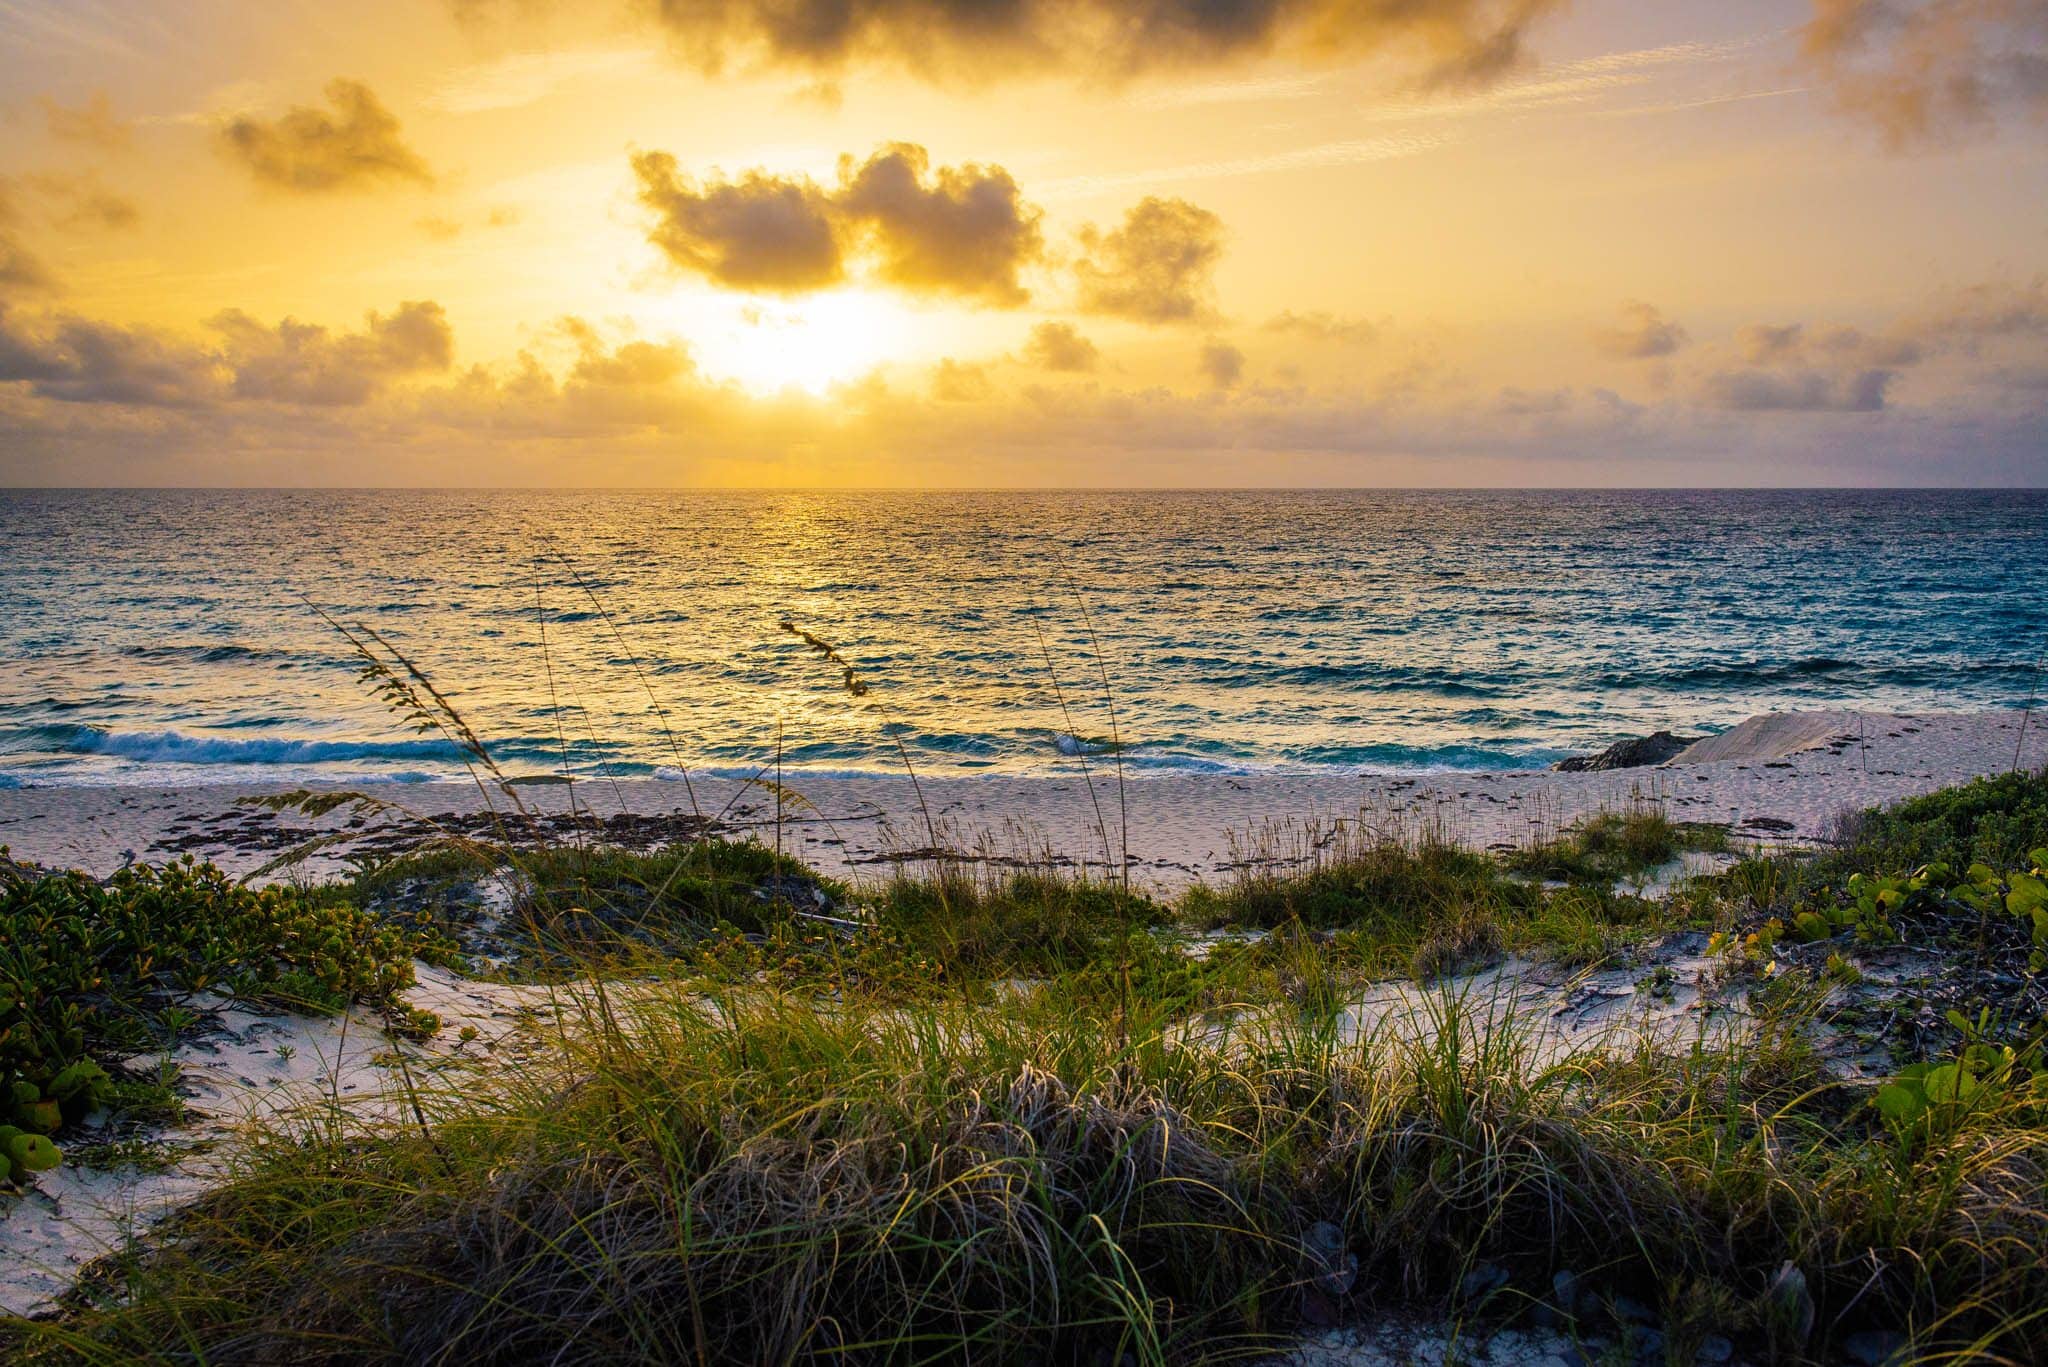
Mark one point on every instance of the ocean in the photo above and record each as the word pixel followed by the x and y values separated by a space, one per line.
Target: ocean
pixel 170 637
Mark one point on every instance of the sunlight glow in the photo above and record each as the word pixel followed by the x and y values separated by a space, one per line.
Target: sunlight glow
pixel 810 344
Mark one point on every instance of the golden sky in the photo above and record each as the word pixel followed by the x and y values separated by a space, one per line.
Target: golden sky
pixel 1023 242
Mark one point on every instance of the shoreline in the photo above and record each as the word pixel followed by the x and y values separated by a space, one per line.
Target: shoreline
pixel 1782 778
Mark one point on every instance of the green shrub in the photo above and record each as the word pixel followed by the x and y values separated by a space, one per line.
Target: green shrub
pixel 1992 820
pixel 89 967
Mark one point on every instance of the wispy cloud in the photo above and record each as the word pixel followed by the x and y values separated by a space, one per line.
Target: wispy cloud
pixel 1350 152
pixel 1249 91
pixel 524 78
pixel 1677 106
pixel 1568 83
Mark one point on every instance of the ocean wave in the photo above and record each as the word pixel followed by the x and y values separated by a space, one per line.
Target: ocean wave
pixel 178 747
pixel 1404 759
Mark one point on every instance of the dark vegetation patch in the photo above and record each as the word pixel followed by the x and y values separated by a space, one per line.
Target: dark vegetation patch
pixel 1360 880
pixel 967 924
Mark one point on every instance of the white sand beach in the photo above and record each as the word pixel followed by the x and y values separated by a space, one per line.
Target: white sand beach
pixel 1778 778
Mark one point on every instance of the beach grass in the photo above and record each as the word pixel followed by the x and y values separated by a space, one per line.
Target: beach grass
pixel 871 1184
pixel 1063 1127
pixel 1614 845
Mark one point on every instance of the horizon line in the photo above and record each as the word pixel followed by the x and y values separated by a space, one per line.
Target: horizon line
pixel 1016 488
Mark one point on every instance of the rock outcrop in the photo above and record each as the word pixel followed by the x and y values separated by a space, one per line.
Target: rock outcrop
pixel 1628 754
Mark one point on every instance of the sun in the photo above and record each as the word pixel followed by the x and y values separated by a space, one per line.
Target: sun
pixel 809 344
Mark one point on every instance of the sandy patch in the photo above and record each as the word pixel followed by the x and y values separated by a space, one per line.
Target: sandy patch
pixel 248 1066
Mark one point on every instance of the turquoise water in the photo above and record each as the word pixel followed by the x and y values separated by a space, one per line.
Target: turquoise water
pixel 164 637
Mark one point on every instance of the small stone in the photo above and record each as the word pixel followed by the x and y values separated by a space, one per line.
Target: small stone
pixel 1630 1311
pixel 1878 1348
pixel 1713 1348
pixel 1565 1292
pixel 1648 1344
pixel 1482 1280
pixel 1319 1311
pixel 1326 1255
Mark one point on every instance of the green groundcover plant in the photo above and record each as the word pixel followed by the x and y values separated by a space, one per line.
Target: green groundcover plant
pixel 91 971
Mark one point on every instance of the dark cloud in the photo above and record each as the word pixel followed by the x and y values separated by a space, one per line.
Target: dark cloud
pixel 1323 327
pixel 1980 314
pixel 104 210
pixel 1799 391
pixel 1964 323
pixel 356 144
pixel 1441 41
pixel 965 231
pixel 1060 347
pixel 304 363
pixel 1767 344
pixel 81 361
pixel 761 232
pixel 1895 346
pixel 1794 367
pixel 20 270
pixel 1156 268
pixel 1926 69
pixel 92 124
pixel 1641 333
pixel 1222 365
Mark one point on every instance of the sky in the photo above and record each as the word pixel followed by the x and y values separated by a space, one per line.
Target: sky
pixel 993 243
